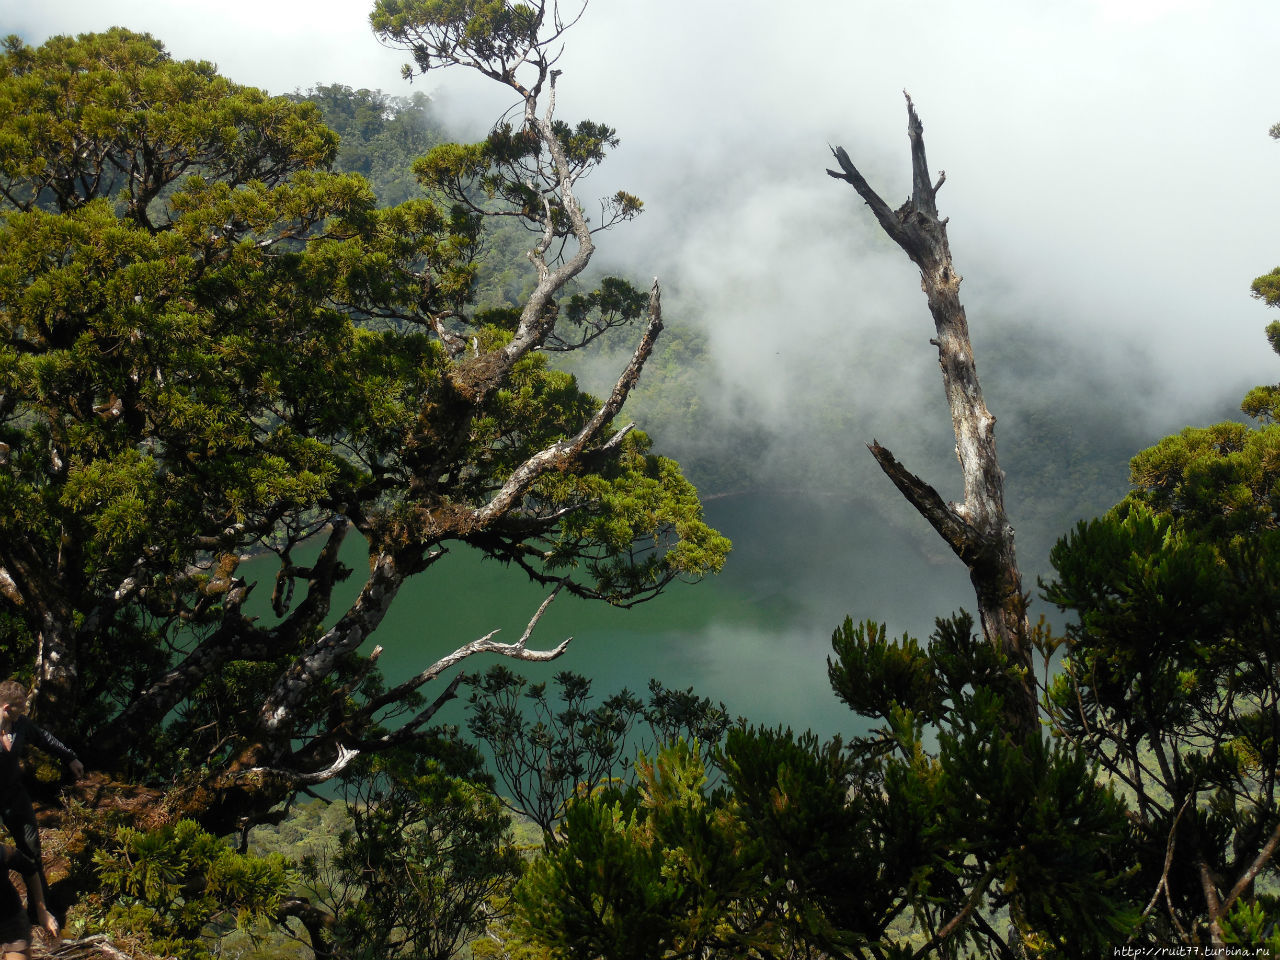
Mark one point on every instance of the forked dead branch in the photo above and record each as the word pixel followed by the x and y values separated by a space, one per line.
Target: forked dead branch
pixel 977 529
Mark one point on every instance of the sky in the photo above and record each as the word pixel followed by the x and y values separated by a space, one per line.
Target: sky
pixel 1110 181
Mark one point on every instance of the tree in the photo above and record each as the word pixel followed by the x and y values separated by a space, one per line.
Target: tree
pixel 931 835
pixel 419 871
pixel 545 756
pixel 656 870
pixel 380 136
pixel 977 530
pixel 1170 676
pixel 215 348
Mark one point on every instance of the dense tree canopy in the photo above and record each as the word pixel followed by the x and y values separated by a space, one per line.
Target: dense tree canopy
pixel 214 347
pixel 380 136
pixel 1170 678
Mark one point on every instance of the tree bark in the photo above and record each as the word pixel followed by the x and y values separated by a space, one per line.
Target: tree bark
pixel 977 530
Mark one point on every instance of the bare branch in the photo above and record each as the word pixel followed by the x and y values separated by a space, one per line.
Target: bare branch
pixel 316 604
pixel 534 326
pixel 410 729
pixel 343 760
pixel 883 213
pixel 922 198
pixel 944 518
pixel 485 644
pixel 563 452
pixel 454 345
pixel 93 948
pixel 315 921
pixel 1163 885
pixel 320 658
pixel 1210 889
pixel 1259 864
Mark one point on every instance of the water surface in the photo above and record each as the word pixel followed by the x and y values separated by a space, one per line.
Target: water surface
pixel 755 637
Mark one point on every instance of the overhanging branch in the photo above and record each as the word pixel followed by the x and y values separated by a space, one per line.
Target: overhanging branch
pixel 321 657
pixel 486 644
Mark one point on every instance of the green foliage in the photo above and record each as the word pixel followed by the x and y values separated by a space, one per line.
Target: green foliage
pixel 113 115
pixel 1252 925
pixel 1263 402
pixel 897 842
pixel 628 910
pixel 507 176
pixel 381 136
pixel 976 824
pixel 1218 480
pixel 640 873
pixel 213 345
pixel 878 678
pixel 492 35
pixel 419 871
pixel 1267 288
pixel 242 342
pixel 614 304
pixel 1170 680
pixel 176 890
pixel 821 869
pixel 547 751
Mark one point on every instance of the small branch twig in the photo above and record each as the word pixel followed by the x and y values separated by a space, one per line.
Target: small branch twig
pixel 486 644
pixel 952 925
pixel 1163 885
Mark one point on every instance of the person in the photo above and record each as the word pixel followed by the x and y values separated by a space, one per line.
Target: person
pixel 16 730
pixel 15 925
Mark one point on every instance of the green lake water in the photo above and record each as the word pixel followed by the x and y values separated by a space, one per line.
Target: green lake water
pixel 755 637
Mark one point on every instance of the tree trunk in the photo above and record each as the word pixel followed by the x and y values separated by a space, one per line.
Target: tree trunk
pixel 977 530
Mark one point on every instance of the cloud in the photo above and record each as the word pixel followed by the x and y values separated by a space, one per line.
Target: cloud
pixel 1143 12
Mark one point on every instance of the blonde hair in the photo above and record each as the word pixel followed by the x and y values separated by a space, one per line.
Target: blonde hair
pixel 11 691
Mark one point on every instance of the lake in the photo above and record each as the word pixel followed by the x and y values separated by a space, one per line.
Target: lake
pixel 755 637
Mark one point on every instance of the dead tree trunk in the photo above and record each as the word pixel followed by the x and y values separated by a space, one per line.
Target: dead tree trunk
pixel 977 530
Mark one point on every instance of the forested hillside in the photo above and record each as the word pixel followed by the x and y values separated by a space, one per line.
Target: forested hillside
pixel 268 360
